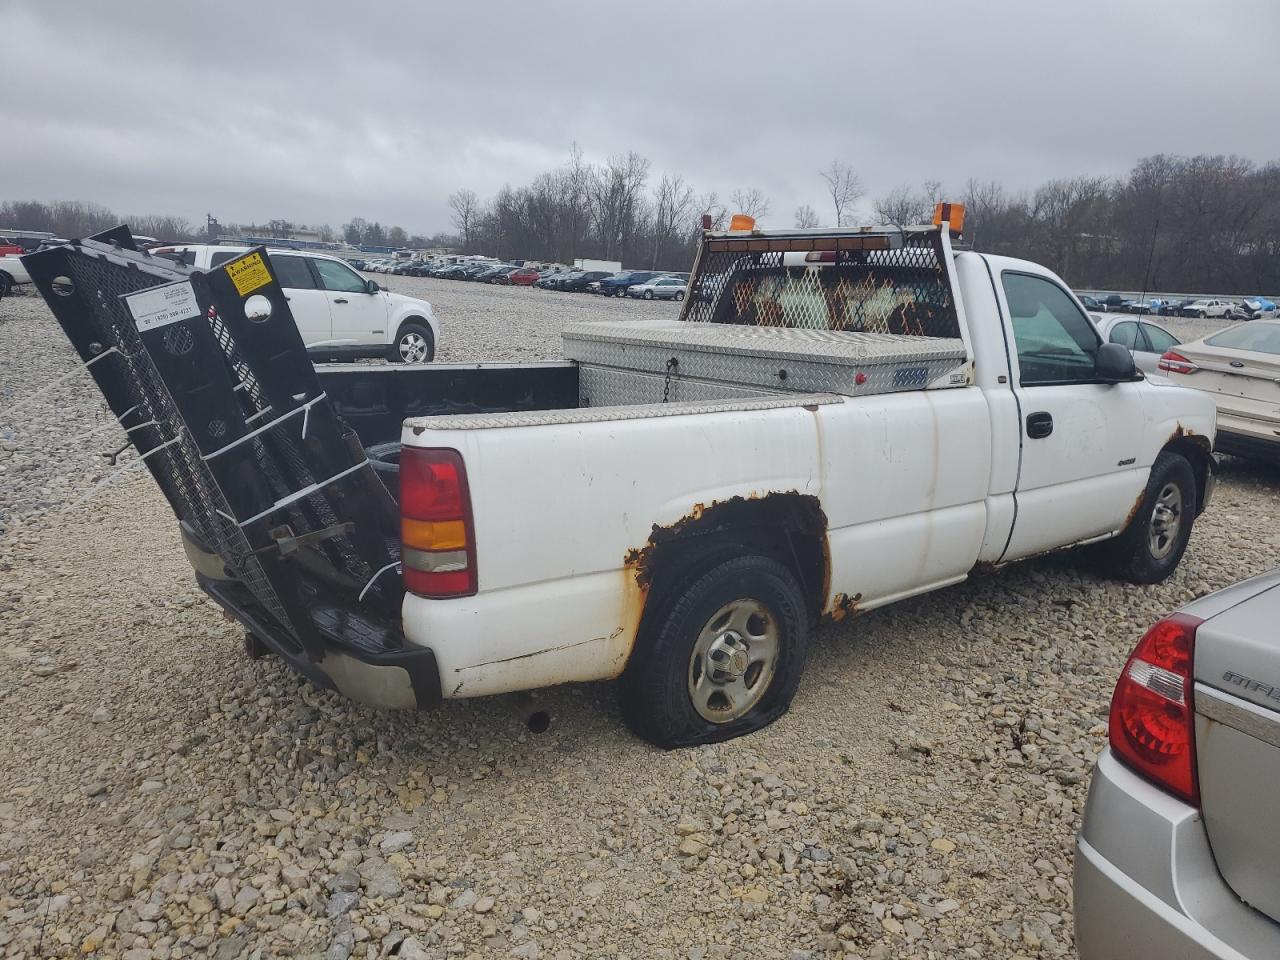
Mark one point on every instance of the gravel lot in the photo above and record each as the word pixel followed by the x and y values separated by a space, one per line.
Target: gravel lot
pixel 163 796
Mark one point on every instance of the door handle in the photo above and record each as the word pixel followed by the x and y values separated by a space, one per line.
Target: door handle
pixel 1039 425
pixel 339 299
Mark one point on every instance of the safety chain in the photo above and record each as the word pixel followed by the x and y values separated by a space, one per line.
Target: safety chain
pixel 672 364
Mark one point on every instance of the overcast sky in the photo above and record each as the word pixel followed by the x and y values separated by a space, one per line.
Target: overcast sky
pixel 320 111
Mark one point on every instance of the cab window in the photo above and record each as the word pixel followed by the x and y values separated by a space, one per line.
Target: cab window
pixel 222 256
pixel 292 272
pixel 1055 340
pixel 338 277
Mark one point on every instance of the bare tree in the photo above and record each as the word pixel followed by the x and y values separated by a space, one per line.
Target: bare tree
pixel 806 217
pixel 466 209
pixel 903 206
pixel 397 237
pixel 845 188
pixel 751 201
pixel 673 204
pixel 615 195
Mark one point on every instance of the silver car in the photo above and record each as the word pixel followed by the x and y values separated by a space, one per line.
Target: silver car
pixel 1179 852
pixel 1145 340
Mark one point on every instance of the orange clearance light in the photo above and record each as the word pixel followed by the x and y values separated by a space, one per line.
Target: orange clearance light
pixel 950 213
pixel 741 221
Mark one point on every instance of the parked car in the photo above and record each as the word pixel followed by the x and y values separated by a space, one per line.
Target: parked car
pixel 1239 311
pixel 1091 304
pixel 1115 303
pixel 338 312
pixel 659 288
pixel 1209 308
pixel 1259 307
pixel 618 284
pixel 495 273
pixel 578 280
pixel 1173 308
pixel 1240 368
pixel 1146 340
pixel 12 273
pixel 1145 306
pixel 523 277
pixel 551 279
pixel 1178 854
pixel 570 532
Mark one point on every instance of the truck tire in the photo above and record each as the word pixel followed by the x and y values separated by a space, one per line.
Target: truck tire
pixel 1152 545
pixel 6 284
pixel 413 344
pixel 723 659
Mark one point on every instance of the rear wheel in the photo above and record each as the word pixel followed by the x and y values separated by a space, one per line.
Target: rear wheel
pixel 723 659
pixel 679 296
pixel 1152 546
pixel 414 344
pixel 6 284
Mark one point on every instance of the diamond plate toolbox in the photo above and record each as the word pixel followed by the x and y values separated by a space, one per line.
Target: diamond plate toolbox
pixel 771 358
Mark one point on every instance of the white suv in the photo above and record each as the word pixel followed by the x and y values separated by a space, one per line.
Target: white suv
pixel 339 313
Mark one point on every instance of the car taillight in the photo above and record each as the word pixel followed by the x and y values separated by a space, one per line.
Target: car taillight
pixel 1175 362
pixel 437 535
pixel 1152 723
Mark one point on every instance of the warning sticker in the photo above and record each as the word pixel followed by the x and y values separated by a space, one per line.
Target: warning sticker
pixel 248 274
pixel 163 305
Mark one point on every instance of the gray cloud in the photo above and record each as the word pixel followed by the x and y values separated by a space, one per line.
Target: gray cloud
pixel 320 111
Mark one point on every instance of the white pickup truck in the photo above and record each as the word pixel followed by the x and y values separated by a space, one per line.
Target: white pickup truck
pixel 838 420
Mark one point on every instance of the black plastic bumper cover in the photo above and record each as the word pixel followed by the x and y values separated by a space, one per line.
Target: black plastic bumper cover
pixel 418 663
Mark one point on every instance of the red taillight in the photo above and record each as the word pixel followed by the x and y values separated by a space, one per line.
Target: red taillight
pixel 1175 362
pixel 437 536
pixel 1152 722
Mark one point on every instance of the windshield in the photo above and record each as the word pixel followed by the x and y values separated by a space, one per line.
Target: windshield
pixel 1259 337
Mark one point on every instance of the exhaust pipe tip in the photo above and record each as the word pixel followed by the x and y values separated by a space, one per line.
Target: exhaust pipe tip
pixel 538 721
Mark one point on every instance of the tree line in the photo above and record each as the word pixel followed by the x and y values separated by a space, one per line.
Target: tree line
pixel 1206 223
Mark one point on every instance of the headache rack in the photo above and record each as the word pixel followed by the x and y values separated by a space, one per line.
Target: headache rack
pixel 208 374
pixel 852 312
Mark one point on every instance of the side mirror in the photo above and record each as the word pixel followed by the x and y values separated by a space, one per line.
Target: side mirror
pixel 370 286
pixel 1113 363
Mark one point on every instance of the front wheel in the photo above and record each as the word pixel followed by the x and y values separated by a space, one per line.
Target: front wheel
pixel 679 296
pixel 414 344
pixel 724 659
pixel 648 294
pixel 1152 546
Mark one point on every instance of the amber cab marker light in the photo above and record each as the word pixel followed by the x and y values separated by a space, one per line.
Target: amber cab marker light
pixel 742 222
pixel 951 214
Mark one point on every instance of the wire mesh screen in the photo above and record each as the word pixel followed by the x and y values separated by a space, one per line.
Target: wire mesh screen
pixel 186 482
pixel 902 288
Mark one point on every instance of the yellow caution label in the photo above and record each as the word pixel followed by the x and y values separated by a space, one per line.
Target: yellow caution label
pixel 248 274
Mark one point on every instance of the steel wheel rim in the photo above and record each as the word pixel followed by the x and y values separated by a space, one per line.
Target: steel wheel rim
pixel 1166 521
pixel 734 660
pixel 413 348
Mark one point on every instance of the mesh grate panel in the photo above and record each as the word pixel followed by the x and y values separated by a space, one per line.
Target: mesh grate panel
pixel 904 291
pixel 199 502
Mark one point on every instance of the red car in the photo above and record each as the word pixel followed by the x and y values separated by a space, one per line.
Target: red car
pixel 523 276
pixel 9 249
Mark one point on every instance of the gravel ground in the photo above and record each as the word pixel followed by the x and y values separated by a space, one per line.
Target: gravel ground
pixel 163 796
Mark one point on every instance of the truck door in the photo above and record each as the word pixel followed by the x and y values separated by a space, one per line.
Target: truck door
pixel 1078 478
